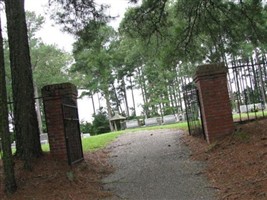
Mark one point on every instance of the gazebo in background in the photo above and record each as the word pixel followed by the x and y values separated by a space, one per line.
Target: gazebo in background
pixel 118 121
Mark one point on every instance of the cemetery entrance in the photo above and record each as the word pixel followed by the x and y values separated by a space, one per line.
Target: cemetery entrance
pixel 72 133
pixel 193 111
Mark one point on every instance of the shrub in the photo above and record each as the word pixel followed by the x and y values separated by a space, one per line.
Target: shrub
pixel 101 122
pixel 86 127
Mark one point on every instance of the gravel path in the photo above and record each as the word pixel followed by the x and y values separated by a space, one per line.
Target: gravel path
pixel 155 165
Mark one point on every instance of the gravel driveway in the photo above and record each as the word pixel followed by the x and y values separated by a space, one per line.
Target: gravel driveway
pixel 155 165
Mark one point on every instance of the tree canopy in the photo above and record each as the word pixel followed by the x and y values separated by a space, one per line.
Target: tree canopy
pixel 161 42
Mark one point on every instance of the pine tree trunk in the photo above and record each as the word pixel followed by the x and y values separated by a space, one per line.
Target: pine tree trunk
pixel 175 109
pixel 99 101
pixel 143 91
pixel 171 97
pixel 125 98
pixel 109 109
pixel 93 103
pixel 133 99
pixel 9 176
pixel 262 84
pixel 26 124
pixel 179 90
pixel 118 105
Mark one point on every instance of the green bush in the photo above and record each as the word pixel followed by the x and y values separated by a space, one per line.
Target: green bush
pixel 86 127
pixel 100 123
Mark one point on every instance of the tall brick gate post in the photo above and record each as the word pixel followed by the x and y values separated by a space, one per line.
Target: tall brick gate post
pixel 211 81
pixel 53 97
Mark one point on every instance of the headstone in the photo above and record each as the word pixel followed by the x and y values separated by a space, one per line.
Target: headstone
pixel 243 108
pixel 169 119
pixel 13 144
pixel 44 138
pixel 132 123
pixel 85 135
pixel 250 107
pixel 153 121
pixel 123 125
pixel 182 117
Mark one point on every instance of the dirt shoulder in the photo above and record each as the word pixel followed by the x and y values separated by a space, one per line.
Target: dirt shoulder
pixel 236 166
pixel 52 179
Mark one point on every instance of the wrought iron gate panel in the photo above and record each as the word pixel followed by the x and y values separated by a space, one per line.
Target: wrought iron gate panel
pixel 72 133
pixel 193 111
pixel 247 86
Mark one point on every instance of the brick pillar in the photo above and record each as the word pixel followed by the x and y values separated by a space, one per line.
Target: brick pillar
pixel 211 81
pixel 53 97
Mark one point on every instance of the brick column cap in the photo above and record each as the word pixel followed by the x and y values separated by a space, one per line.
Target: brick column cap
pixel 61 89
pixel 210 69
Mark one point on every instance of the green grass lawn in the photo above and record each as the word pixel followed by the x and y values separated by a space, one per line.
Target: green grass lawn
pixel 45 147
pixel 99 141
pixel 251 115
pixel 94 143
pixel 182 125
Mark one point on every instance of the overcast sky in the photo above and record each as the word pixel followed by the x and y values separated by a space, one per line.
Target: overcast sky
pixel 51 33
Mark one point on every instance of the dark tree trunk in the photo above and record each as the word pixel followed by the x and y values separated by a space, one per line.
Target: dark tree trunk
pixel 93 103
pixel 143 90
pixel 26 125
pixel 171 98
pixel 133 99
pixel 10 182
pixel 107 98
pixel 179 91
pixel 118 104
pixel 99 101
pixel 125 97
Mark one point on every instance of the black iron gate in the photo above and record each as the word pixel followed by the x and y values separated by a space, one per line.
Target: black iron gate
pixel 72 133
pixel 247 84
pixel 193 111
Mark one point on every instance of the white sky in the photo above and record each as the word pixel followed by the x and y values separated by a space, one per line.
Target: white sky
pixel 51 33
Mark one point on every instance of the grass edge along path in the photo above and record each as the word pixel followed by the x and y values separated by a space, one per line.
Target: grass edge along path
pixel 97 142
